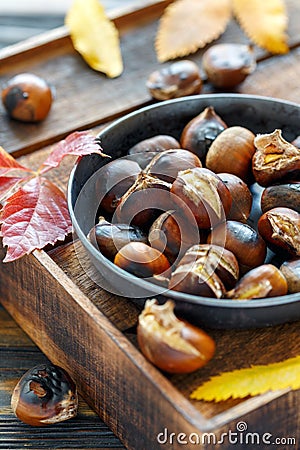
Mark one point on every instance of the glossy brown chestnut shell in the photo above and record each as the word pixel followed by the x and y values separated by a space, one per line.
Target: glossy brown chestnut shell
pixel 198 135
pixel 172 234
pixel 227 65
pixel 27 97
pixel 146 149
pixel 116 178
pixel 281 195
pixel 175 80
pixel 110 238
pixel 241 197
pixel 232 152
pixel 243 241
pixel 45 395
pixel 166 165
pixel 142 260
pixel 171 344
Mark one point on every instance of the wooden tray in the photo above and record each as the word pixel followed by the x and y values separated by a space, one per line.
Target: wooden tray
pixel 91 332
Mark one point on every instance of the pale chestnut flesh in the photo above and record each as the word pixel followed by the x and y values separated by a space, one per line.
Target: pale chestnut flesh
pixel 171 344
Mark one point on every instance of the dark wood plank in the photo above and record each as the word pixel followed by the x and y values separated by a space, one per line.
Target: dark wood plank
pixel 17 354
pixel 93 334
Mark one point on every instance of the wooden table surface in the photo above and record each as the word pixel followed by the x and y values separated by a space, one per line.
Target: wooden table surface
pixel 276 76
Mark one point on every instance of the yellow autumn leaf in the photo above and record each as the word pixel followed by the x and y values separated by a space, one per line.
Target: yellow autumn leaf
pixel 251 381
pixel 188 25
pixel 264 22
pixel 95 37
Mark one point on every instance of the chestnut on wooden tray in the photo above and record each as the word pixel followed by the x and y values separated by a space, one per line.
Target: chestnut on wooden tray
pixel 173 345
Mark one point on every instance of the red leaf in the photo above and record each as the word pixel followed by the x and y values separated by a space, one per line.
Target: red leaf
pixel 79 143
pixel 36 215
pixel 7 183
pixel 8 163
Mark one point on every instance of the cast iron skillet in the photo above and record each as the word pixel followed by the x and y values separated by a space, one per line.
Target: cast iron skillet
pixel 261 115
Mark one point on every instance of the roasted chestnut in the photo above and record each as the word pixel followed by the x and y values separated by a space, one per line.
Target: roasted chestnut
pixel 171 344
pixel 260 282
pixel 205 270
pixel 27 97
pixel 198 135
pixel 227 65
pixel 142 260
pixel 115 178
pixel 232 152
pixel 166 165
pixel 275 159
pixel 176 80
pixel 291 272
pixel 205 195
pixel 280 228
pixel 285 195
pixel 241 197
pixel 45 395
pixel 110 238
pixel 141 204
pixel 172 234
pixel 243 241
pixel 155 144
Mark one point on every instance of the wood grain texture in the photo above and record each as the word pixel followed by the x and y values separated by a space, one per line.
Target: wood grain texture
pixel 17 354
pixel 85 329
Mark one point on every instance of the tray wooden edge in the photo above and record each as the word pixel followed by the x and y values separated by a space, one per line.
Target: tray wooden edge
pixel 34 290
pixel 52 39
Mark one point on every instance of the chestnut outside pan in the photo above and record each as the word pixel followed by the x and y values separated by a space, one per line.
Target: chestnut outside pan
pixel 259 114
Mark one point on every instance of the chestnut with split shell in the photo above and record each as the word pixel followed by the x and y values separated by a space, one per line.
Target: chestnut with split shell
pixel 280 228
pixel 140 203
pixel 205 270
pixel 171 344
pixel 45 395
pixel 275 159
pixel 205 195
pixel 260 282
